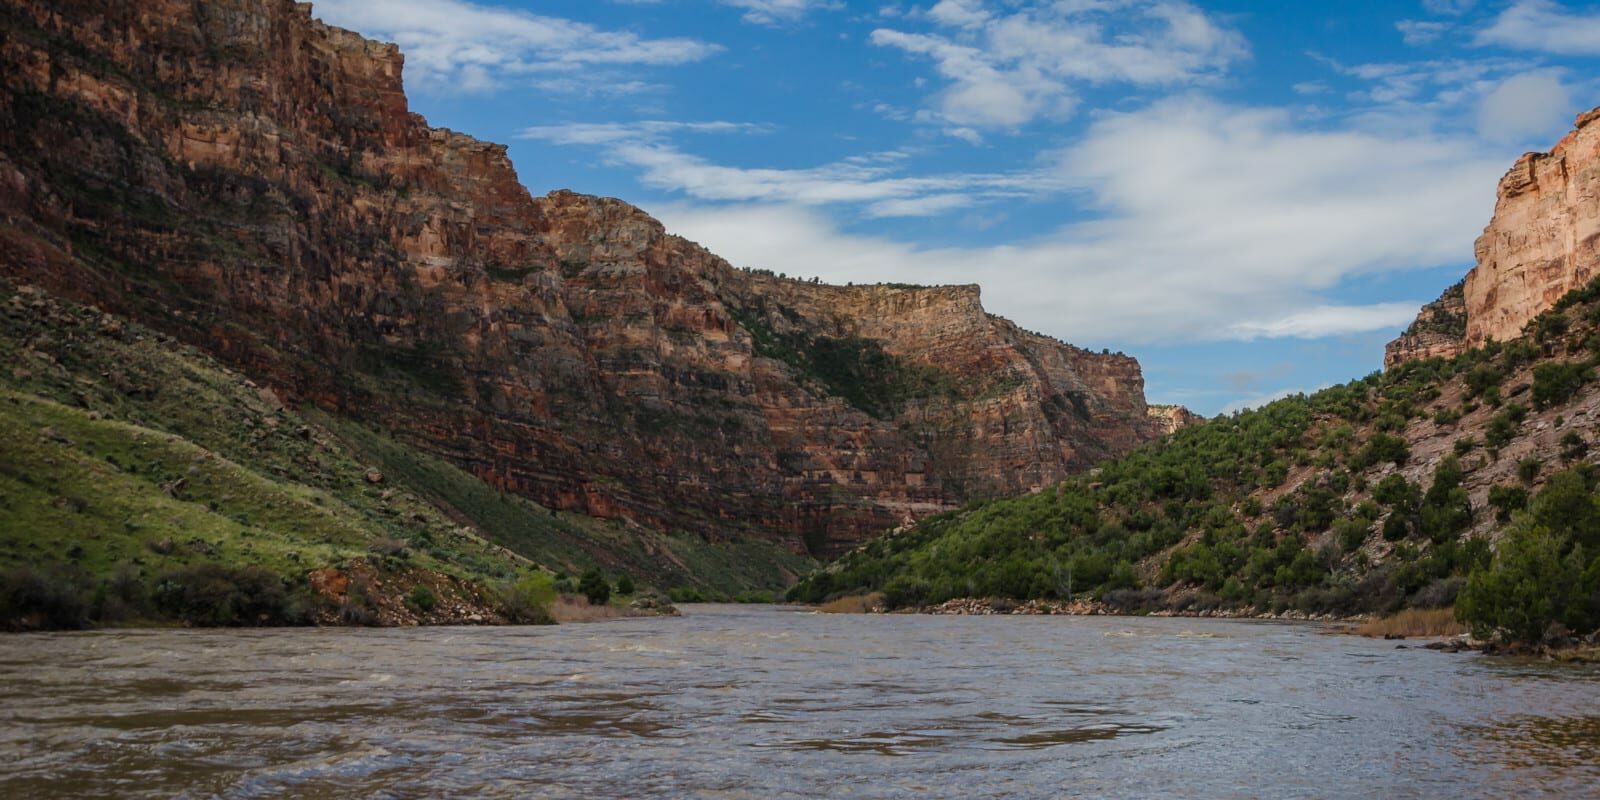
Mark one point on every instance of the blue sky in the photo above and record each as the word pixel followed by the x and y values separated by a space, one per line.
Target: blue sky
pixel 1250 197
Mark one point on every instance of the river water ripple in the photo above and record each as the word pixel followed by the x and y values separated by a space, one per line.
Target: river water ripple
pixel 763 702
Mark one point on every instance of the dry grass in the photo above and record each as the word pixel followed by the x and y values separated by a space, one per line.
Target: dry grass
pixel 853 604
pixel 1415 622
pixel 576 608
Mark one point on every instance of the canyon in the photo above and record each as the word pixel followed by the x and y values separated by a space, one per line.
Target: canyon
pixel 251 182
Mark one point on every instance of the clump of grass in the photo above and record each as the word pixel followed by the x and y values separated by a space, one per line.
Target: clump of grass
pixel 1415 622
pixel 577 608
pixel 854 604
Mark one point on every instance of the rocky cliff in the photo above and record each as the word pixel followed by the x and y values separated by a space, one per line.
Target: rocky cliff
pixel 1440 329
pixel 252 182
pixel 1543 241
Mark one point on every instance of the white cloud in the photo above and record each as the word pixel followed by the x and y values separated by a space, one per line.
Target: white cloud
pixel 1545 26
pixel 1005 68
pixel 1533 104
pixel 1452 8
pixel 1321 321
pixel 778 12
pixel 601 133
pixel 1210 222
pixel 1417 33
pixel 462 45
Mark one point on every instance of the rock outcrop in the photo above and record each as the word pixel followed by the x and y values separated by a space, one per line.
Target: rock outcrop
pixel 1440 330
pixel 1174 418
pixel 251 181
pixel 1543 241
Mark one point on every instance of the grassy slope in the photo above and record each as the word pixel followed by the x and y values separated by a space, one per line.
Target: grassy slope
pixel 1281 507
pixel 573 543
pixel 126 452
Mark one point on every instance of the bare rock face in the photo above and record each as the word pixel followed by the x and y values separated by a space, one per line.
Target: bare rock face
pixel 1174 418
pixel 251 181
pixel 1543 242
pixel 1439 330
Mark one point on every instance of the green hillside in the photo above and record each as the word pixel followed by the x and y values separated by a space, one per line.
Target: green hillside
pixel 1385 492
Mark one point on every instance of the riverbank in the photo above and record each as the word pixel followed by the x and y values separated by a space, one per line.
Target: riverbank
pixel 973 606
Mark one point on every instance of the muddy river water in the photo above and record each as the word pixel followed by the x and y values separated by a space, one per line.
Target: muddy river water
pixel 764 702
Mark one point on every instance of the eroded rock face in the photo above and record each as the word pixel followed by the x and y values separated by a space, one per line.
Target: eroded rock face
pixel 1174 418
pixel 252 181
pixel 1440 329
pixel 1543 242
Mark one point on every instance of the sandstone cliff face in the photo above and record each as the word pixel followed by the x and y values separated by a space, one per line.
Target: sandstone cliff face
pixel 252 181
pixel 1543 241
pixel 1174 418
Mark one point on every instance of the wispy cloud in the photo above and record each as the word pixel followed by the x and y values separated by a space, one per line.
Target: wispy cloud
pixel 1004 68
pixel 1545 26
pixel 779 12
pixel 874 182
pixel 1419 32
pixel 467 46
pixel 1322 321
pixel 602 133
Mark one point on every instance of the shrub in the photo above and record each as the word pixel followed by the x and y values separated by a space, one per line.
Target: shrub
pixel 1507 500
pixel 1528 468
pixel 625 585
pixel 594 586
pixel 1383 448
pixel 528 599
pixel 689 594
pixel 1557 382
pixel 1573 446
pixel 218 595
pixel 1533 582
pixel 905 591
pixel 1545 571
pixel 1394 489
pixel 1502 428
pixel 55 597
pixel 422 598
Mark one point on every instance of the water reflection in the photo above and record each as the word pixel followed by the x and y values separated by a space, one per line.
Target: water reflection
pixel 763 702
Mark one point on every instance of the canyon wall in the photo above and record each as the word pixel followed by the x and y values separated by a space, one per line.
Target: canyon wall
pixel 1543 241
pixel 241 176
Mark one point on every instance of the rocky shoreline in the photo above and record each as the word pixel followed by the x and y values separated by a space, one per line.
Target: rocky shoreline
pixel 971 606
pixel 1560 647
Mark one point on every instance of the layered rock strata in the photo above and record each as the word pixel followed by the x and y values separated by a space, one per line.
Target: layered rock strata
pixel 252 181
pixel 1543 241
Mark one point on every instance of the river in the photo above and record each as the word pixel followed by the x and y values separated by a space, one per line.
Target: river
pixel 763 702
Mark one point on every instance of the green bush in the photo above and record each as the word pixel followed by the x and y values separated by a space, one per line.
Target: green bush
pixel 1557 382
pixel 1547 569
pixel 1507 500
pixel 594 586
pixel 56 597
pixel 528 599
pixel 422 598
pixel 625 585
pixel 218 595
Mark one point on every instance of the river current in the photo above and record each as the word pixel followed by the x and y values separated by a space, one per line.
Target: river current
pixel 764 702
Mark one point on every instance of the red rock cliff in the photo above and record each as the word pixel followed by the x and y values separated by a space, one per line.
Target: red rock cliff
pixel 251 180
